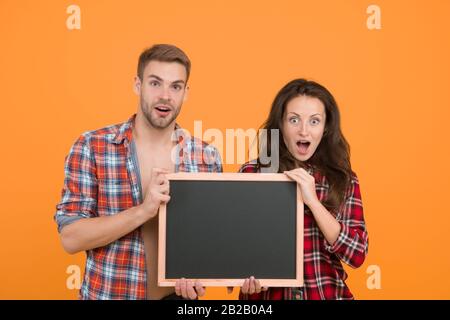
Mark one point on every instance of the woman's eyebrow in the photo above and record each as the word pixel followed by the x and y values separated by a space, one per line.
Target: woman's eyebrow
pixel 315 114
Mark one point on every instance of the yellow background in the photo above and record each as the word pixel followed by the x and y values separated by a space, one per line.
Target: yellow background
pixel 392 86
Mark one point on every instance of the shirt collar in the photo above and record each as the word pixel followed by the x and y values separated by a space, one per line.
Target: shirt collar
pixel 126 131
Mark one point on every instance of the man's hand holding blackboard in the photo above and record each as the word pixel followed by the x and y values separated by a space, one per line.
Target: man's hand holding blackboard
pixel 157 192
pixel 186 289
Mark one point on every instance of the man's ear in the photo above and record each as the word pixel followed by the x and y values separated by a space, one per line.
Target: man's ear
pixel 186 93
pixel 137 85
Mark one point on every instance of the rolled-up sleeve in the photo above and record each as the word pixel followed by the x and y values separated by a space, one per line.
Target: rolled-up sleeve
pixel 217 161
pixel 352 243
pixel 79 194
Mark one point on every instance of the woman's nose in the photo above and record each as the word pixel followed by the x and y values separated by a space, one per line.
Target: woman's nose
pixel 303 129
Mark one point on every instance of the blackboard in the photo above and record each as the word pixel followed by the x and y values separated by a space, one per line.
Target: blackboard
pixel 221 228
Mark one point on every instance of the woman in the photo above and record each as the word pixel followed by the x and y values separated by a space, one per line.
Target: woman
pixel 313 152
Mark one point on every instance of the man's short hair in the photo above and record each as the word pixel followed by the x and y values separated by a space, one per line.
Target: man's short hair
pixel 163 53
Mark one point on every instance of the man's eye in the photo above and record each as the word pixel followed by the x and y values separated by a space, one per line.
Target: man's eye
pixel 154 83
pixel 177 87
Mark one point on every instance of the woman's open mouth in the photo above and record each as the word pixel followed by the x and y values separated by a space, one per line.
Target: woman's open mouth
pixel 302 146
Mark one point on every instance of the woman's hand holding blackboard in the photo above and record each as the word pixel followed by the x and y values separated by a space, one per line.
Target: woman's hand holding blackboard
pixel 250 286
pixel 327 223
pixel 307 185
pixel 157 192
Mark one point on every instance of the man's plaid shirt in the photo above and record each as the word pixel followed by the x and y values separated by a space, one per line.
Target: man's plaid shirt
pixel 101 180
pixel 324 276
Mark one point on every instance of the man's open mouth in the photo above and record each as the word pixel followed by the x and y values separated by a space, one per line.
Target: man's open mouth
pixel 163 109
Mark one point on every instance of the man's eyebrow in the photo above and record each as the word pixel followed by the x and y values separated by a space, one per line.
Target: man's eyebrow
pixel 160 79
pixel 155 76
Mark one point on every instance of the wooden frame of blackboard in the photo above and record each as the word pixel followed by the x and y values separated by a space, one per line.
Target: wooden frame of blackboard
pixel 294 282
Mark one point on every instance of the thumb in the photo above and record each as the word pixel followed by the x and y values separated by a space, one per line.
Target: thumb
pixel 229 290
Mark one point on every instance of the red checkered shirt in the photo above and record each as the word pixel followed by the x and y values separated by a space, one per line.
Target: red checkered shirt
pixel 101 180
pixel 324 276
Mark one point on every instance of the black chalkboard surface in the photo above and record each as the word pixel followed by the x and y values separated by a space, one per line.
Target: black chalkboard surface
pixel 221 228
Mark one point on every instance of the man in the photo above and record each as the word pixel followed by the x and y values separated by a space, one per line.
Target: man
pixel 115 181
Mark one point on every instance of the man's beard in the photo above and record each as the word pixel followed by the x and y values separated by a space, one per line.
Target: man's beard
pixel 154 120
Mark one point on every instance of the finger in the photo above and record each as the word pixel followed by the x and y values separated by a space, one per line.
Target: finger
pixel 200 289
pixel 292 176
pixel 183 288
pixel 245 286
pixel 190 290
pixel 230 290
pixel 164 189
pixel 164 198
pixel 307 172
pixel 251 289
pixel 257 286
pixel 295 170
pixel 160 179
pixel 178 288
pixel 303 173
pixel 157 173
pixel 300 178
pixel 166 182
pixel 306 175
pixel 295 173
pixel 264 288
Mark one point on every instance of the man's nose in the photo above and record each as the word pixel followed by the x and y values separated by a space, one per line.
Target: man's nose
pixel 165 93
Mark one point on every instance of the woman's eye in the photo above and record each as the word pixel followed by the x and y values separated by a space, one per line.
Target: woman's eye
pixel 315 121
pixel 293 120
